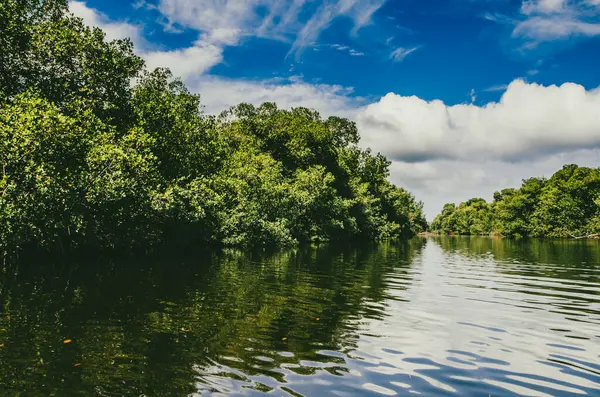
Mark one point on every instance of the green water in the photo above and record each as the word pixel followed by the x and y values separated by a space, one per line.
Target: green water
pixel 435 317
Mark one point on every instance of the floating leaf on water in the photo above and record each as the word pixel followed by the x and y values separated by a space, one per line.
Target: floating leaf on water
pixel 77 365
pixel 67 341
pixel 318 319
pixel 283 338
pixel 1 344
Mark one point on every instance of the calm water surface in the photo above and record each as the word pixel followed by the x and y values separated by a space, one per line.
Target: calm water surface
pixel 436 317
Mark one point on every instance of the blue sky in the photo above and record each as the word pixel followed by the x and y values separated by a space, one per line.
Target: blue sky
pixel 465 96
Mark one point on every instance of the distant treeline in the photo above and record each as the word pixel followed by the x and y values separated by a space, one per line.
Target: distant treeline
pixel 97 150
pixel 565 205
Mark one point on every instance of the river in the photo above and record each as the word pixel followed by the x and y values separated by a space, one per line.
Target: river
pixel 432 317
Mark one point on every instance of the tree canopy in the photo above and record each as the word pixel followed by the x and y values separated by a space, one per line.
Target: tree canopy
pixel 97 150
pixel 565 205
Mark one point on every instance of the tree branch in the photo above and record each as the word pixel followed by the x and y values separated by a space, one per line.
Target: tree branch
pixel 582 237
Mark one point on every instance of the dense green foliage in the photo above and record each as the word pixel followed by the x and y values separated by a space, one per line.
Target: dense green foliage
pixel 97 150
pixel 565 205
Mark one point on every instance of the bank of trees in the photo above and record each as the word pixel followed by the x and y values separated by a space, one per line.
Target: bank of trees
pixel 565 205
pixel 90 158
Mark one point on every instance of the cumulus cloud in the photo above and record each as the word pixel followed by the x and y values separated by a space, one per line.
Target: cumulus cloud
pixel 438 182
pixel 530 120
pixel 219 94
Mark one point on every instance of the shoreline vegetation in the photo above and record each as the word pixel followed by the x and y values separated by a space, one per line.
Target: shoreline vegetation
pixel 497 235
pixel 97 151
pixel 566 205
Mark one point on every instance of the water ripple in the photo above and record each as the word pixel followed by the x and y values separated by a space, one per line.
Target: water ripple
pixel 445 317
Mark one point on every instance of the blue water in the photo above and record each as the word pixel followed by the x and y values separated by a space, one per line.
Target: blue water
pixel 435 317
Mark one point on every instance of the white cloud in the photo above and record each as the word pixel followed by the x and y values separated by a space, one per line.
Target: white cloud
pixel 184 62
pixel 359 11
pixel 438 182
pixel 113 30
pixel 349 50
pixel 543 6
pixel 529 121
pixel 473 95
pixel 274 19
pixel 496 88
pixel 212 17
pixel 223 23
pixel 219 94
pixel 355 53
pixel 399 54
pixel 340 47
pixel 547 20
pixel 546 28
